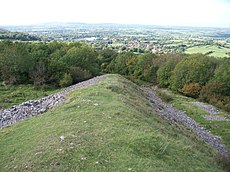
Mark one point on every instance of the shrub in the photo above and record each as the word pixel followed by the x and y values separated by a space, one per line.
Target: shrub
pixel 214 93
pixel 165 97
pixel 78 74
pixel 192 90
pixel 67 80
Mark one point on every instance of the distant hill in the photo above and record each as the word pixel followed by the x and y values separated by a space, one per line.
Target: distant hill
pixel 8 35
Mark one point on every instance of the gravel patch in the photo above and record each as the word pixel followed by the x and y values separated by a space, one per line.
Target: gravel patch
pixel 215 118
pixel 208 108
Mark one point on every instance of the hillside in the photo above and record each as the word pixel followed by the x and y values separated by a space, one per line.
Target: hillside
pixel 109 126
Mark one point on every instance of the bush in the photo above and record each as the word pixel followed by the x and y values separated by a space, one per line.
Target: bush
pixel 214 93
pixel 67 80
pixel 165 97
pixel 78 74
pixel 192 90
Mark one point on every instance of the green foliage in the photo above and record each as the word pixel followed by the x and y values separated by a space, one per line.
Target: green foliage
pixel 84 57
pixel 78 74
pixel 196 68
pixel 67 80
pixel 46 63
pixel 7 35
pixel 121 63
pixel 164 73
pixel 222 75
pixel 15 62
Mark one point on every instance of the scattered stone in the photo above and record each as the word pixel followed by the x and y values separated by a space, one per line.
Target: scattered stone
pixel 95 104
pixel 83 158
pixel 37 153
pixel 62 138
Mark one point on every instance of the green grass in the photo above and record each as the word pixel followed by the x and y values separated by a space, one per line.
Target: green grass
pixel 217 51
pixel 16 94
pixel 107 127
pixel 220 128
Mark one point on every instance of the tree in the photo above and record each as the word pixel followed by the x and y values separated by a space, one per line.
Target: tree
pixel 196 68
pixel 222 75
pixel 165 72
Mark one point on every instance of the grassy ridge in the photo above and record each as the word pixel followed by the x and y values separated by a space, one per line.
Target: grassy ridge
pixel 107 127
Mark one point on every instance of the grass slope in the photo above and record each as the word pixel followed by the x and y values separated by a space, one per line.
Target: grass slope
pixel 107 127
pixel 219 128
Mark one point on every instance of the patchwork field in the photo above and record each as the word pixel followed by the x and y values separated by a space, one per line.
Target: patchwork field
pixel 211 50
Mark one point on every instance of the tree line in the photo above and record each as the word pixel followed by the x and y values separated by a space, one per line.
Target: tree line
pixel 197 75
pixel 62 64
pixel 7 35
pixel 59 64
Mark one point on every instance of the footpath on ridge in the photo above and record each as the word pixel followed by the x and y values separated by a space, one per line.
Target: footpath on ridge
pixel 179 118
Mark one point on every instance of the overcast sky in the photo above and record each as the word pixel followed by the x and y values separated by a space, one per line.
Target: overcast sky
pixel 157 12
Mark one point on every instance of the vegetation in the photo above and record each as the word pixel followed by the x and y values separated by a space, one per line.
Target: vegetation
pixel 106 127
pixel 219 128
pixel 63 64
pixel 195 75
pixel 16 94
pixel 7 35
pixel 46 63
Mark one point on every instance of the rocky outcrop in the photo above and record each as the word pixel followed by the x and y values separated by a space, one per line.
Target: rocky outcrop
pixel 178 117
pixel 35 107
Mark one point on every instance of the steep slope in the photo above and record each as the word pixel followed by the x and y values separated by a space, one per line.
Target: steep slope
pixel 105 127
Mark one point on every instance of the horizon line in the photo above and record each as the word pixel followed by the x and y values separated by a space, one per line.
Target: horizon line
pixel 111 23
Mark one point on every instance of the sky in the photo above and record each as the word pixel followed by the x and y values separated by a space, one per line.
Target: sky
pixel 204 13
